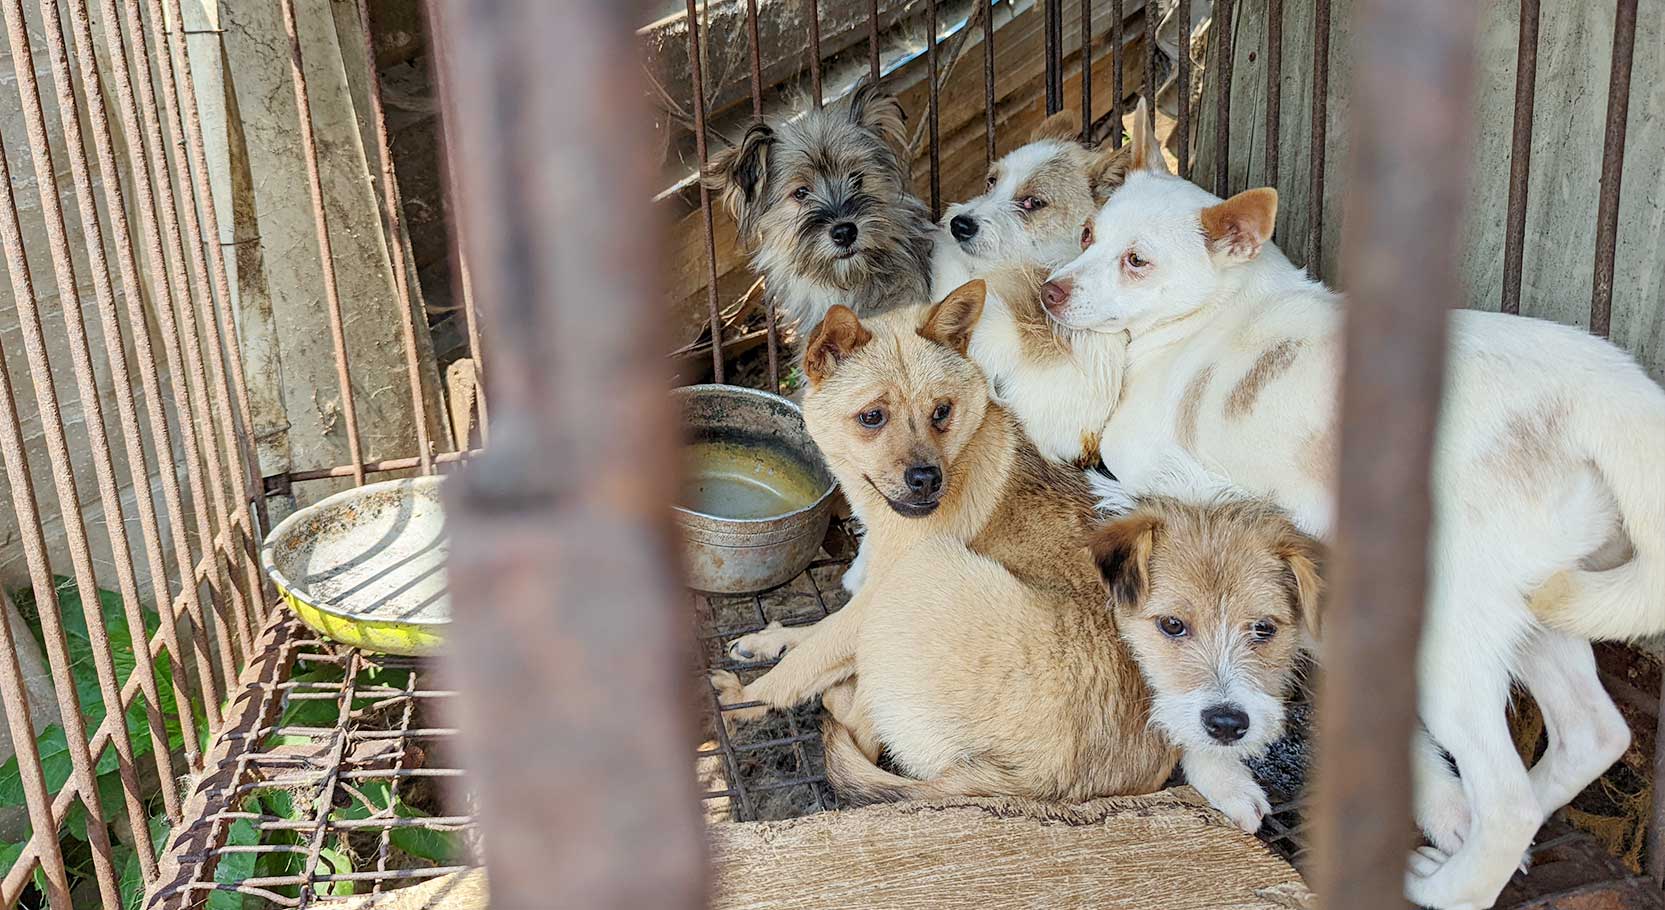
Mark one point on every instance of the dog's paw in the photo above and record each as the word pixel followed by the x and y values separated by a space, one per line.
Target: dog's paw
pixel 768 644
pixel 1445 821
pixel 1428 883
pixel 1246 809
pixel 731 691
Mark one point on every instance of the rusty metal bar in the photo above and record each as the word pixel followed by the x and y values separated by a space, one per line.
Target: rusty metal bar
pixel 873 40
pixel 1182 123
pixel 1150 60
pixel 1054 56
pixel 579 561
pixel 462 280
pixel 697 77
pixel 934 105
pixel 168 266
pixel 1087 68
pixel 755 48
pixel 320 220
pixel 375 467
pixel 1274 86
pixel 16 693
pixel 1117 14
pixel 814 50
pixel 1612 167
pixel 393 225
pixel 773 336
pixel 1402 280
pixel 47 405
pixel 1656 829
pixel 206 379
pixel 1320 124
pixel 1221 39
pixel 1520 155
pixel 988 81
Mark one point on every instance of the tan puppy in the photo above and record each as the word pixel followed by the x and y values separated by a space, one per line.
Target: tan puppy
pixel 979 653
pixel 1218 602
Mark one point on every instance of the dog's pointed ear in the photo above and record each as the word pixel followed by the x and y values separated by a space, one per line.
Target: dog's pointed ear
pixel 875 109
pixel 1241 225
pixel 952 321
pixel 1305 558
pixel 1107 170
pixel 838 336
pixel 741 174
pixel 1146 152
pixel 1064 126
pixel 1121 550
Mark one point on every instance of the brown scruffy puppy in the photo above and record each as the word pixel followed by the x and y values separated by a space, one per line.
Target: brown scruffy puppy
pixel 1218 601
pixel 824 203
pixel 979 654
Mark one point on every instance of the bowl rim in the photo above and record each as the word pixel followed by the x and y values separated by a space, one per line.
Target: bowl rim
pixel 689 391
pixel 268 548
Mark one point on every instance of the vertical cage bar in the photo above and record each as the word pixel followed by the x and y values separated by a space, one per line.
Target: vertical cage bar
pixel 1054 56
pixel 576 562
pixel 1656 829
pixel 1274 87
pixel 772 331
pixel 47 402
pixel 1320 123
pixel 1612 167
pixel 1403 280
pixel 321 227
pixel 988 81
pixel 150 386
pixel 1117 13
pixel 935 105
pixel 34 547
pixel 1150 60
pixel 873 40
pixel 463 279
pixel 211 392
pixel 1520 155
pixel 1182 124
pixel 815 51
pixel 1087 69
pixel 1221 39
pixel 186 384
pixel 393 224
pixel 698 79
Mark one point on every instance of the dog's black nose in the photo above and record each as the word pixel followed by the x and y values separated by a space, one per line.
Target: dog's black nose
pixel 843 233
pixel 962 228
pixel 924 480
pixel 1226 723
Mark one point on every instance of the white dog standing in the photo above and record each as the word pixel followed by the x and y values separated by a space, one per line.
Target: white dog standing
pixel 1548 488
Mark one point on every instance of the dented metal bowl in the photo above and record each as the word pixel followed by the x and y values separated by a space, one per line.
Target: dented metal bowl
pixel 756 496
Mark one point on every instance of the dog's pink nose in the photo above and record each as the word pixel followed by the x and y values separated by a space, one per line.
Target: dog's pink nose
pixel 1056 294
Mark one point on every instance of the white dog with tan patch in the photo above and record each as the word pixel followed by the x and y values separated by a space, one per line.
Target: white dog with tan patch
pixel 1549 496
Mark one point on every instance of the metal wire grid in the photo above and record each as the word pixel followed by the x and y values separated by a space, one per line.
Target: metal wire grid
pixel 383 733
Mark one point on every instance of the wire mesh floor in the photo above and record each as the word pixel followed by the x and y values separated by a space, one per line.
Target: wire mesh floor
pixel 328 780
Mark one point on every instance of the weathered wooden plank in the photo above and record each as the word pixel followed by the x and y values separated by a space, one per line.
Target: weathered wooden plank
pixel 1167 850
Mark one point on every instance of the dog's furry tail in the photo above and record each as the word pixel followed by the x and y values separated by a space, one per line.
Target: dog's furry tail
pixel 1620 595
pixel 860 782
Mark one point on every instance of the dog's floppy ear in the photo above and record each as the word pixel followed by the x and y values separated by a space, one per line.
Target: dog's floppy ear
pixel 1064 126
pixel 1241 225
pixel 952 321
pixel 1107 170
pixel 875 109
pixel 838 336
pixel 1121 550
pixel 1305 558
pixel 741 174
pixel 1146 151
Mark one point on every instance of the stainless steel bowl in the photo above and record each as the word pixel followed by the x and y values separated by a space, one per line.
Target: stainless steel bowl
pixel 756 495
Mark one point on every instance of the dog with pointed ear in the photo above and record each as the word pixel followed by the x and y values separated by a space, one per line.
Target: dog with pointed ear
pixel 823 201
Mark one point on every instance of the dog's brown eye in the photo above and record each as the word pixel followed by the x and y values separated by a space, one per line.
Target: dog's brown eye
pixel 1087 235
pixel 1172 626
pixel 801 193
pixel 1262 630
pixel 872 419
pixel 1032 203
pixel 940 415
pixel 1134 260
